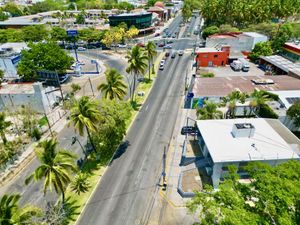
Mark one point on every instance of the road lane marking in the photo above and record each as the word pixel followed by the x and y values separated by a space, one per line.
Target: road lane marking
pixel 146 108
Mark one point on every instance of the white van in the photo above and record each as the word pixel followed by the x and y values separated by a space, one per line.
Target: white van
pixel 246 66
pixel 236 65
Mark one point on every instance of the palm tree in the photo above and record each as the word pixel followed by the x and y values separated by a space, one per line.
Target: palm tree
pixel 85 115
pixel 209 111
pixel 137 60
pixel 258 98
pixel 151 53
pixel 232 99
pixel 80 184
pixel 12 214
pixel 3 126
pixel 114 86
pixel 56 167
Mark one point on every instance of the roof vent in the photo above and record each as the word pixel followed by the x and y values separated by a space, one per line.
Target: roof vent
pixel 243 130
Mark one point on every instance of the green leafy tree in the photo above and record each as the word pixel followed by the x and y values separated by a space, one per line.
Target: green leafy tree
pixel 226 28
pixel 34 33
pixel 4 124
pixel 43 56
pixel 75 88
pixel 56 167
pixel 58 34
pixel 151 52
pixel 1 76
pixel 80 184
pixel 80 18
pixel 12 214
pixel 232 99
pixel 114 88
pixel 210 31
pixel 284 33
pixel 85 115
pixel 13 9
pixel 112 128
pixel 272 197
pixel 3 16
pixel 261 49
pixel 137 64
pixel 294 113
pixel 209 111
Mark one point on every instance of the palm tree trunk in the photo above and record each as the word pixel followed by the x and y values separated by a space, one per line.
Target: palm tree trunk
pixel 133 87
pixel 149 63
pixel 63 198
pixel 90 138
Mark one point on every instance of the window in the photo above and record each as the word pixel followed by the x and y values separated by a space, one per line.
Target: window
pixel 215 56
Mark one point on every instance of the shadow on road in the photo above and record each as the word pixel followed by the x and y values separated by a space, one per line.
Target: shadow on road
pixel 120 151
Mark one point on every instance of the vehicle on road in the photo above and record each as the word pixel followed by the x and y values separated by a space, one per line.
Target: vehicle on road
pixel 161 45
pixel 236 65
pixel 81 49
pixel 162 64
pixel 156 34
pixel 169 41
pixel 122 45
pixel 169 35
pixel 245 64
pixel 164 36
pixel 174 35
pixel 167 54
pixel 173 55
pixel 180 52
pixel 188 130
pixel 168 47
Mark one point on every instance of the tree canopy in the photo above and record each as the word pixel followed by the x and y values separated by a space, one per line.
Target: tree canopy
pixel 242 13
pixel 261 49
pixel 294 113
pixel 272 197
pixel 210 31
pixel 43 56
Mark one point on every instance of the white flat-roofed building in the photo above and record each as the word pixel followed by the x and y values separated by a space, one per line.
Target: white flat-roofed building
pixel 239 141
pixel 10 57
pixel 39 99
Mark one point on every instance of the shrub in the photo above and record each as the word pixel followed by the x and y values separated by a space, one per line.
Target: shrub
pixel 207 75
pixel 266 111
pixel 36 134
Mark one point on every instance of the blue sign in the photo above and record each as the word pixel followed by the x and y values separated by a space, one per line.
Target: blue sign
pixel 190 95
pixel 16 59
pixel 72 33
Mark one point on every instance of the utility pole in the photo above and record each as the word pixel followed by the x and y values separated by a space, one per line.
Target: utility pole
pixel 59 86
pixel 91 87
pixel 164 170
pixel 49 125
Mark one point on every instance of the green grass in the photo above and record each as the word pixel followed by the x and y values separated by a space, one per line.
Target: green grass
pixel 43 121
pixel 207 75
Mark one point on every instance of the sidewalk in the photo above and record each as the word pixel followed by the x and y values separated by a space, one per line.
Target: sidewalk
pixel 28 155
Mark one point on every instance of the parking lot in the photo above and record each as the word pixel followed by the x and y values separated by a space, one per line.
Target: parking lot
pixel 226 71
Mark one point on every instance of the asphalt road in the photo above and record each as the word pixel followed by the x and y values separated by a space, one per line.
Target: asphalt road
pixel 33 192
pixel 127 190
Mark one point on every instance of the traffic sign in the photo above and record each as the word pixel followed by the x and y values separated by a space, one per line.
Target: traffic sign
pixel 72 33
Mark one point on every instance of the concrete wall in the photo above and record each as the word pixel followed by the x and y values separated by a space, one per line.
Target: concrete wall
pixel 38 101
pixel 10 71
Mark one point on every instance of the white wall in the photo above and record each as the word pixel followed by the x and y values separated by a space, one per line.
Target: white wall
pixel 10 71
pixel 38 101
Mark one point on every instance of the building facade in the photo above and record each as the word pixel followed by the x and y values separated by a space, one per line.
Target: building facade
pixel 208 57
pixel 139 20
pixel 14 96
pixel 244 141
pixel 291 51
